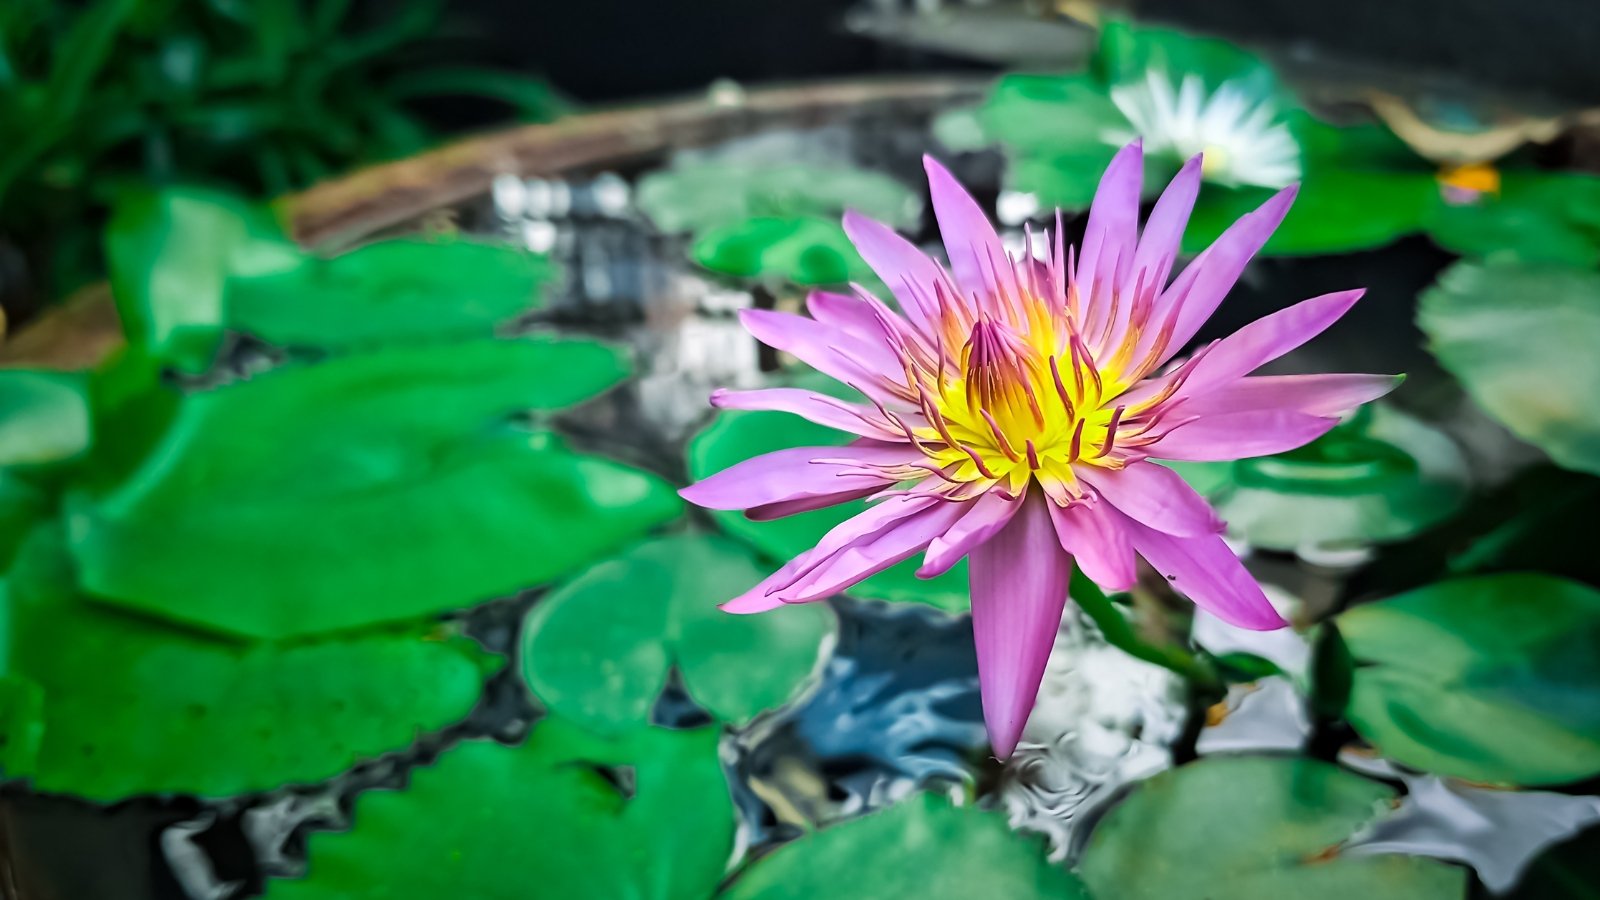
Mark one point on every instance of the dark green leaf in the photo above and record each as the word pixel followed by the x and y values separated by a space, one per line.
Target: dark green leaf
pixel 1494 678
pixel 1336 211
pixel 1253 829
pixel 922 847
pixel 503 823
pixel 1535 217
pixel 131 707
pixel 598 649
pixel 1521 339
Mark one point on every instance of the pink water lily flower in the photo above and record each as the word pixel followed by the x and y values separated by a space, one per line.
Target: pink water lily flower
pixel 1015 412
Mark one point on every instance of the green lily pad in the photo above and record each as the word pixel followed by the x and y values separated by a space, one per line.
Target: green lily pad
pixel 921 847
pixel 389 291
pixel 1521 339
pixel 704 195
pixel 1381 476
pixel 1536 217
pixel 502 823
pixel 736 436
pixel 126 706
pixel 44 417
pixel 1337 211
pixel 1253 829
pixel 371 488
pixel 1492 679
pixel 22 503
pixel 801 249
pixel 484 519
pixel 598 649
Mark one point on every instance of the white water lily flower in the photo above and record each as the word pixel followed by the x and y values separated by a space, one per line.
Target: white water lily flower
pixel 1239 134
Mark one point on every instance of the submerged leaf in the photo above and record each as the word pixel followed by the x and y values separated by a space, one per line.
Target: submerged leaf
pixel 598 649
pixel 704 195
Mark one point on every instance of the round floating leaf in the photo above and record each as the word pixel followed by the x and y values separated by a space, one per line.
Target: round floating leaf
pixel 598 649
pixel 1253 829
pixel 44 417
pixel 127 706
pixel 1521 339
pixel 484 519
pixel 736 436
pixel 564 815
pixel 802 249
pixel 1535 217
pixel 1493 679
pixel 1381 476
pixel 705 195
pixel 397 290
pixel 922 847
pixel 1062 180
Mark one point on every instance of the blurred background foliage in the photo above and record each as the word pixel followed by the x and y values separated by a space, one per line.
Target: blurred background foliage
pixel 264 96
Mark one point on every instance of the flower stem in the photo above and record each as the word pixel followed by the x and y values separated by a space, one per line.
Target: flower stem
pixel 1119 633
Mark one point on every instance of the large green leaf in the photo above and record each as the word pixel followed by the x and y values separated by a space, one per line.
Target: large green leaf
pixel 1050 114
pixel 1253 829
pixel 1535 217
pixel 598 650
pixel 1495 678
pixel 922 847
pixel 127 706
pixel 736 436
pixel 371 488
pixel 44 417
pixel 704 195
pixel 397 290
pixel 492 822
pixel 1521 339
pixel 1337 211
pixel 802 249
pixel 1381 476
pixel 482 519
